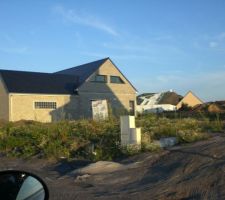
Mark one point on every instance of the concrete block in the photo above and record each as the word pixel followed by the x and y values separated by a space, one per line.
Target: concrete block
pixel 126 122
pixel 168 142
pixel 129 134
pixel 125 139
pixel 135 136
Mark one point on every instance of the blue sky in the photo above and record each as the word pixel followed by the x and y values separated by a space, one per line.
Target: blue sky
pixel 158 44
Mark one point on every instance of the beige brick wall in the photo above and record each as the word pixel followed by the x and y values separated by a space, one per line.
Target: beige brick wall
pixel 22 107
pixel 118 104
pixel 118 95
pixel 4 101
pixel 108 69
pixel 75 106
pixel 190 99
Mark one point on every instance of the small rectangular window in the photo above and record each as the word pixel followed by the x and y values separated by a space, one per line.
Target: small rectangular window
pixel 45 105
pixel 116 79
pixel 131 107
pixel 99 78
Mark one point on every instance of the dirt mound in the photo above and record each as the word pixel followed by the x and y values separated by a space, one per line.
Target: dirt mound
pixel 193 171
pixel 100 167
pixel 215 108
pixel 211 107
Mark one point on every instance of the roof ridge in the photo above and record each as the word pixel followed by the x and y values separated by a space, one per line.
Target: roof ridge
pixel 9 70
pixel 84 71
pixel 37 73
pixel 104 59
pixel 51 72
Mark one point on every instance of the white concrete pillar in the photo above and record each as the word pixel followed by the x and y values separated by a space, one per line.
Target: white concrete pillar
pixel 126 122
pixel 135 136
pixel 129 134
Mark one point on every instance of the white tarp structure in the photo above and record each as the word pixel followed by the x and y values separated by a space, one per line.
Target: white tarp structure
pixel 99 109
pixel 151 104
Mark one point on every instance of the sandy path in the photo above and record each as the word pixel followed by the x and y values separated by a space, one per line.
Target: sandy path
pixel 194 171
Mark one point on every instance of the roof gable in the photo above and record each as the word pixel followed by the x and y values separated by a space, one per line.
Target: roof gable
pixel 39 83
pixel 123 75
pixel 83 71
pixel 190 93
pixel 86 70
pixel 190 99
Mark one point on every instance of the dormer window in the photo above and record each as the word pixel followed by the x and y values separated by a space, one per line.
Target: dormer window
pixel 99 78
pixel 116 79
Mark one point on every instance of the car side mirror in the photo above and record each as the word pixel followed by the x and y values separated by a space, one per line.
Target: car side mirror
pixel 19 185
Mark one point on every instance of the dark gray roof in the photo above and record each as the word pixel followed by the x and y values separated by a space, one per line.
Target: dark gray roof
pixel 61 82
pixel 140 99
pixel 41 83
pixel 146 95
pixel 83 71
pixel 170 98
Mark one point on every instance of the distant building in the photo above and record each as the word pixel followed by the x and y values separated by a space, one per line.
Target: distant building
pixel 165 101
pixel 190 99
pixel 87 91
pixel 158 102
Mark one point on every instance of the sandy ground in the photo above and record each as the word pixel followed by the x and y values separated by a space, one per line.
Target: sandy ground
pixel 193 171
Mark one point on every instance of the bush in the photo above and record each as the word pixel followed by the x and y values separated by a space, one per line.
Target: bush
pixel 217 125
pixel 96 140
pixel 152 147
pixel 62 139
pixel 131 150
pixel 185 136
pixel 185 129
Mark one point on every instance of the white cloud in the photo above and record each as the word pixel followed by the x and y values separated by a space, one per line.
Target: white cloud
pixel 115 56
pixel 209 86
pixel 221 36
pixel 213 44
pixel 145 48
pixel 169 78
pixel 217 42
pixel 8 38
pixel 163 38
pixel 84 19
pixel 11 46
pixel 125 47
pixel 16 50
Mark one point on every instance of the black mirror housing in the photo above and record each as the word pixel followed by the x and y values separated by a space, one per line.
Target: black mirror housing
pixel 21 185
